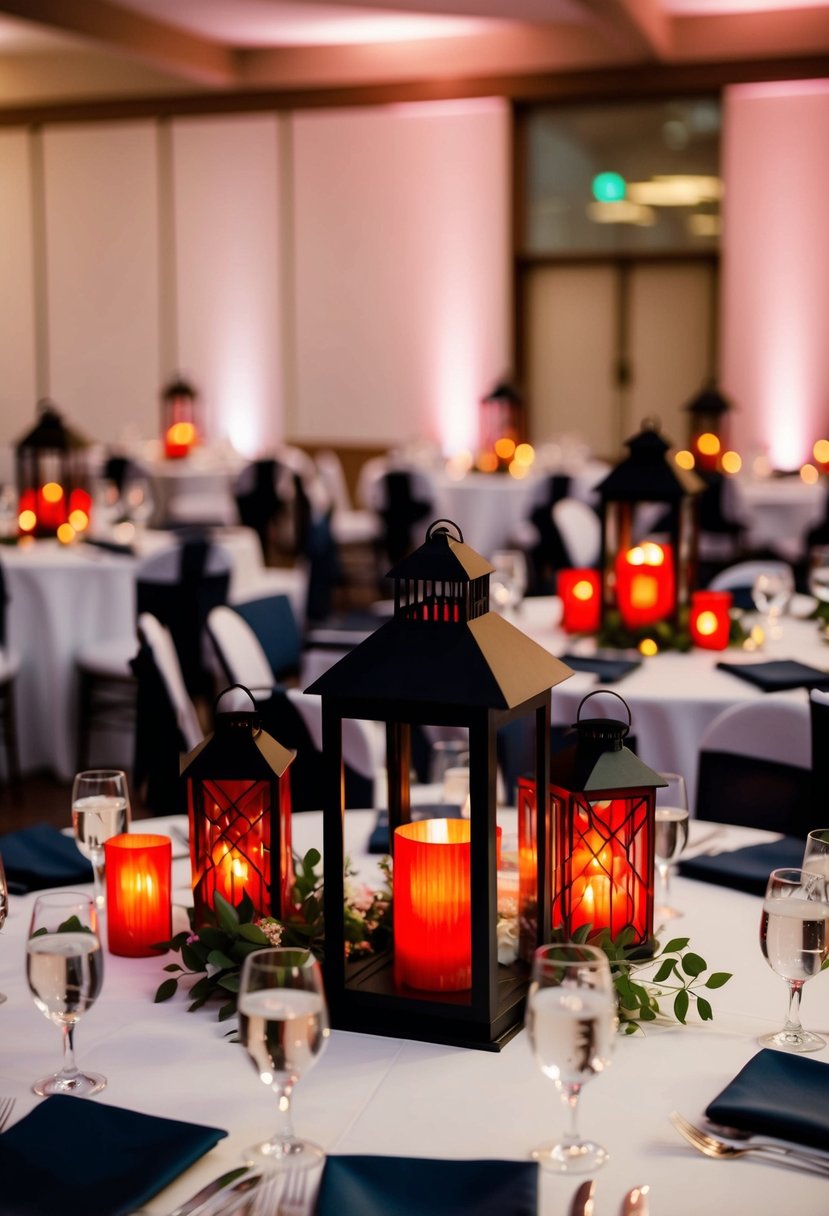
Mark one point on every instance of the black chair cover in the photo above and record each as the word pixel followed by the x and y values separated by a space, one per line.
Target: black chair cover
pixel 158 739
pixel 755 793
pixel 401 512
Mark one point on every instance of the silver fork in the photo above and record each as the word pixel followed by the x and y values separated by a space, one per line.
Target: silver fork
pixel 712 1146
pixel 6 1108
pixel 293 1200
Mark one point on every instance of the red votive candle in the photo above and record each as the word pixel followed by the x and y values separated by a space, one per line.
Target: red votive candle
pixel 645 584
pixel 432 905
pixel 578 591
pixel 139 912
pixel 710 619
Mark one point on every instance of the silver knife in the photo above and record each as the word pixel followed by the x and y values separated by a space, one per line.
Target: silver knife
pixel 218 1184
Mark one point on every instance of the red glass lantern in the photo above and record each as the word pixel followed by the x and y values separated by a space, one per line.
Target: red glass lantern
pixel 180 426
pixel 432 905
pixel 239 804
pixel 602 799
pixel 52 479
pixel 581 600
pixel 710 619
pixel 139 910
pixel 645 584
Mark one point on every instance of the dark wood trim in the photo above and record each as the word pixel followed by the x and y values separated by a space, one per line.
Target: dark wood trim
pixel 638 81
pixel 534 261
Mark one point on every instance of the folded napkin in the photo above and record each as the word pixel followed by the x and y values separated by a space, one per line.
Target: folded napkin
pixel 778 675
pixel 110 546
pixel 378 841
pixel 778 1094
pixel 608 670
pixel 41 856
pixel 746 869
pixel 79 1157
pixel 404 1186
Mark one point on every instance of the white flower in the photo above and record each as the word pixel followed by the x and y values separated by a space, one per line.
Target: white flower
pixel 506 932
pixel 271 928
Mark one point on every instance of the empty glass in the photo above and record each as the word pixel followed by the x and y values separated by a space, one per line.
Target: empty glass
pixel 794 938
pixel 816 853
pixel 508 581
pixel 771 593
pixel 670 837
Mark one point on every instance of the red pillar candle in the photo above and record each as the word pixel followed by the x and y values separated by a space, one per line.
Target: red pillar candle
pixel 432 905
pixel 138 893
pixel 645 584
pixel 710 619
pixel 579 592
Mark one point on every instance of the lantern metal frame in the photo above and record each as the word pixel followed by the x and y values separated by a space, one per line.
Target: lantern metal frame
pixel 649 477
pixel 50 452
pixel 443 659
pixel 239 751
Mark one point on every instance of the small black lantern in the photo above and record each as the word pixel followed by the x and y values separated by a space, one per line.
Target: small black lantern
pixel 646 496
pixel 706 426
pixel 181 428
pixel 443 659
pixel 239 806
pixel 52 478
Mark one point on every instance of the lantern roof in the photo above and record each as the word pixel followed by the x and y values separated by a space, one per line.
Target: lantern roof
pixel 599 761
pixel 709 401
pixel 649 473
pixel 238 748
pixel 51 432
pixel 178 387
pixel 443 644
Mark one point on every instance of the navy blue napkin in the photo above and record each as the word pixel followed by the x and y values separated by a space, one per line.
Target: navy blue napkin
pixel 110 546
pixel 608 670
pixel 41 856
pixel 746 869
pixel 378 841
pixel 778 1094
pixel 79 1157
pixel 778 675
pixel 406 1186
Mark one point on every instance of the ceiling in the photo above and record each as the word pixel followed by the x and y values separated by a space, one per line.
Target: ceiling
pixel 55 51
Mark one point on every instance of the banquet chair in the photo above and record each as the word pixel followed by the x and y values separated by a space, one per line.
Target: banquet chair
pixel 739 579
pixel 167 724
pixel 403 504
pixel 349 525
pixel 754 766
pixel 819 736
pixel 580 531
pixel 293 717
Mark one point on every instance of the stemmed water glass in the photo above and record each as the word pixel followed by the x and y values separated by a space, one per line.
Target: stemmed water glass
pixel 571 1022
pixel 816 853
pixel 508 580
pixel 794 938
pixel 283 1024
pixel 771 592
pixel 4 907
pixel 100 810
pixel 65 970
pixel 670 836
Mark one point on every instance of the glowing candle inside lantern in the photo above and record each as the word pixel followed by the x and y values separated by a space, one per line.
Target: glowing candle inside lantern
pixel 580 600
pixel 710 619
pixel 231 831
pixel 138 893
pixel 51 505
pixel 645 584
pixel 179 439
pixel 432 905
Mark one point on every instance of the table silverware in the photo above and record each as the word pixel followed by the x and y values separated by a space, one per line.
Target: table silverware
pixel 582 1202
pixel 713 1146
pixel 635 1203
pixel 207 1192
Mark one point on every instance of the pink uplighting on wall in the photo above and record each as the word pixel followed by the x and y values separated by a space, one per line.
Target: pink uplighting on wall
pixel 775 254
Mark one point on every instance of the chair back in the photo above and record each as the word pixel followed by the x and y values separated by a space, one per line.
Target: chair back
pixel 401 510
pixel 819 737
pixel 580 531
pixel 754 766
pixel 242 659
pixel 272 620
pixel 332 476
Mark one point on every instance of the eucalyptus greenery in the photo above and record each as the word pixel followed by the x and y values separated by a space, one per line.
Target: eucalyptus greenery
pixel 666 634
pixel 674 980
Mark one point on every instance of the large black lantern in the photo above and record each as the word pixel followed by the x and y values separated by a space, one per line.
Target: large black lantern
pixel 445 660
pixel 52 478
pixel 239 805
pixel 649 533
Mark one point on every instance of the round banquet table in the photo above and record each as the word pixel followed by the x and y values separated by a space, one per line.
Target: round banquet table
pixel 777 512
pixel 672 697
pixel 369 1094
pixel 64 597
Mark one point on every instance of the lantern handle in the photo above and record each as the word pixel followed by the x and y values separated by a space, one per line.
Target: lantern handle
pixel 610 693
pixel 230 688
pixel 434 527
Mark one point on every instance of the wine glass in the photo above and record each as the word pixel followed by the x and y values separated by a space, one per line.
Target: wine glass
pixel 65 970
pixel 794 938
pixel 283 1024
pixel 771 592
pixel 508 580
pixel 100 810
pixel 571 1021
pixel 4 907
pixel 670 836
pixel 816 853
pixel 819 573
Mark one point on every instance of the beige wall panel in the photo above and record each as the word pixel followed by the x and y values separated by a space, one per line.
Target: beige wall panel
pixel 402 270
pixel 670 332
pixel 101 206
pixel 227 216
pixel 18 382
pixel 570 319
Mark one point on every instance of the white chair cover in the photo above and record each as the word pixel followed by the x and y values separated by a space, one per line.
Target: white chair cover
pixel 160 642
pixel 242 657
pixel 580 531
pixel 774 729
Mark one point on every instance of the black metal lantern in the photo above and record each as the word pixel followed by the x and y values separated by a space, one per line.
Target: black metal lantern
pixel 443 659
pixel 181 427
pixel 706 426
pixel 502 427
pixel 239 805
pixel 649 532
pixel 52 478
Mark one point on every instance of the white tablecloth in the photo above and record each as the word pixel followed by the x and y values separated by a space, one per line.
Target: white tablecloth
pixel 673 697
pixel 64 597
pixel 777 512
pixel 376 1095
